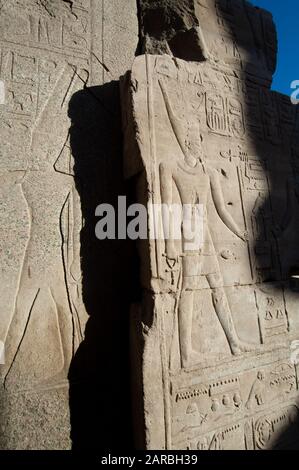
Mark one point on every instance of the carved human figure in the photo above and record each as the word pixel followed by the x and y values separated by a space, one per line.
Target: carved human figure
pixel 256 396
pixel 195 181
pixel 47 192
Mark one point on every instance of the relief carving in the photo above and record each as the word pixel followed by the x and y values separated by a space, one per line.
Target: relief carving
pixel 208 131
pixel 47 191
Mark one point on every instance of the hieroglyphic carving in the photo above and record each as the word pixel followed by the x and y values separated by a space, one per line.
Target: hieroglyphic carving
pixel 270 431
pixel 50 50
pixel 40 273
pixel 44 59
pixel 273 317
pixel 257 392
pixel 45 49
pixel 50 25
pixel 197 409
pixel 200 408
pixel 195 180
pixel 208 133
pixel 225 33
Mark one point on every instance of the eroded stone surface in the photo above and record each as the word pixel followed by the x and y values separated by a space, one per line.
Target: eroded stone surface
pixel 226 32
pixel 215 326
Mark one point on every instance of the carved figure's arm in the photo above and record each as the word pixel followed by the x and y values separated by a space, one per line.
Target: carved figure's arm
pixel 221 209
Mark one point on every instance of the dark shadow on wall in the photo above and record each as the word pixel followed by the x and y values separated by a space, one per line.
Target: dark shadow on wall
pixel 99 375
pixel 272 174
pixel 100 397
pixel 269 158
pixel 288 437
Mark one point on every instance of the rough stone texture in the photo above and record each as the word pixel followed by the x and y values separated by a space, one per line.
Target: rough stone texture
pixel 211 336
pixel 60 62
pixel 236 34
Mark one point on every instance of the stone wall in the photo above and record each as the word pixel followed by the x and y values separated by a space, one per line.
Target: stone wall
pixel 61 156
pixel 211 330
pixel 215 328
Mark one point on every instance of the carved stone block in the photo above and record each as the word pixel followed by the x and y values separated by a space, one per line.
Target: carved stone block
pixel 216 322
pixel 55 57
pixel 228 33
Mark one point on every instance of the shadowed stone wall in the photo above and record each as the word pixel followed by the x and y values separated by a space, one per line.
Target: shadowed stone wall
pixel 61 156
pixel 215 328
